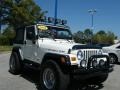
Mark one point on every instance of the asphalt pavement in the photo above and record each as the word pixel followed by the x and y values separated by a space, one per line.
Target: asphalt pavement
pixel 28 80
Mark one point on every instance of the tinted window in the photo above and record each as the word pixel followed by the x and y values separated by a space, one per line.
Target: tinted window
pixel 30 33
pixel 19 36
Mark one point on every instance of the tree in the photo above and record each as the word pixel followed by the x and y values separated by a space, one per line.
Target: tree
pixel 4 40
pixel 110 37
pixel 101 32
pixel 9 32
pixel 19 13
pixel 104 37
pixel 79 37
pixel 101 37
pixel 83 37
pixel 7 36
pixel 88 34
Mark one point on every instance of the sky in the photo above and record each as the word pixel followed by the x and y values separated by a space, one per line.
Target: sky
pixel 76 13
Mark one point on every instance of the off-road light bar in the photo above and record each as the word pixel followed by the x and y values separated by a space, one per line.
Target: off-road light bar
pixel 50 20
pixel 58 21
pixel 64 22
pixel 53 20
pixel 43 19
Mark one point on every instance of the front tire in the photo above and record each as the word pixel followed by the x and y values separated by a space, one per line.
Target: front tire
pixel 52 78
pixel 14 64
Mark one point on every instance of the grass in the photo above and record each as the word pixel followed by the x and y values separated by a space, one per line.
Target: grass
pixel 5 48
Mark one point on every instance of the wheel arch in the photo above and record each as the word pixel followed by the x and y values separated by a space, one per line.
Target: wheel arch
pixel 17 49
pixel 62 79
pixel 57 58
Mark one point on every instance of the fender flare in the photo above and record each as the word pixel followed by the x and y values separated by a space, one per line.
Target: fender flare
pixel 17 49
pixel 65 67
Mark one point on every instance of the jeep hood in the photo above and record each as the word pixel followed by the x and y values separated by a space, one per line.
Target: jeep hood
pixel 63 46
pixel 57 46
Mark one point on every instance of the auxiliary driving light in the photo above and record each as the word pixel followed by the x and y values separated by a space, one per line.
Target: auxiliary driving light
pixel 101 62
pixel 58 21
pixel 94 63
pixel 50 20
pixel 83 63
pixel 64 22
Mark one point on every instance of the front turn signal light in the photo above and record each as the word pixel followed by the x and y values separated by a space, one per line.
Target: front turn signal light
pixel 73 59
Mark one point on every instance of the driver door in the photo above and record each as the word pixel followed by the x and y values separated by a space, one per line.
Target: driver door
pixel 30 47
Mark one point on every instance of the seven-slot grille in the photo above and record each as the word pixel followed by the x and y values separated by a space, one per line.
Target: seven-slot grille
pixel 88 53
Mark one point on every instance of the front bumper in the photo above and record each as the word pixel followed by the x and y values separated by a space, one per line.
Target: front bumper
pixel 90 71
pixel 84 74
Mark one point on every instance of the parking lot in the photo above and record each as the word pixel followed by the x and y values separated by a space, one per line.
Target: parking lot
pixel 28 80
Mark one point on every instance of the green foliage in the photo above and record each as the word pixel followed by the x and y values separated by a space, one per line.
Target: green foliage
pixel 78 37
pixel 87 36
pixel 9 32
pixel 4 40
pixel 19 13
pixel 7 37
pixel 101 32
pixel 103 37
pixel 83 37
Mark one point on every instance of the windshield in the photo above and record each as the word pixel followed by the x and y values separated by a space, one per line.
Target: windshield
pixel 54 32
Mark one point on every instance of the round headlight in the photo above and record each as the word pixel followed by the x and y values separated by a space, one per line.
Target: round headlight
pixel 94 63
pixel 80 55
pixel 101 62
pixel 100 52
pixel 83 63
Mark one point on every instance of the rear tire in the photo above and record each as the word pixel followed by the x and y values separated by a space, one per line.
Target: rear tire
pixel 15 66
pixel 52 78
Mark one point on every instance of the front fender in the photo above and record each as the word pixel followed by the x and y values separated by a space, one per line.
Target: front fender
pixel 58 59
pixel 18 51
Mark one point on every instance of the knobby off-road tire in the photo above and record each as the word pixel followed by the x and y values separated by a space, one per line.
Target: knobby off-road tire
pixel 15 65
pixel 52 78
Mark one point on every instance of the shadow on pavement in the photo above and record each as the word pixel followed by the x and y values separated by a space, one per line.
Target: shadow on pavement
pixel 78 86
pixel 118 63
pixel 33 77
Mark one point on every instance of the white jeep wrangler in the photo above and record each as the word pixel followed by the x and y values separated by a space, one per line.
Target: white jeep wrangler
pixel 51 49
